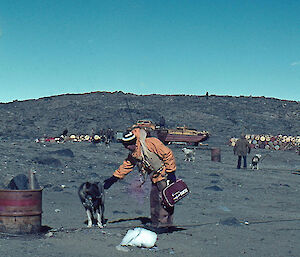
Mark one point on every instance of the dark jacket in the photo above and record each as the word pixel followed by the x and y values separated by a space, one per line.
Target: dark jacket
pixel 242 147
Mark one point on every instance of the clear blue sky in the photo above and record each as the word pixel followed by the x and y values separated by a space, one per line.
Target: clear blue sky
pixel 225 47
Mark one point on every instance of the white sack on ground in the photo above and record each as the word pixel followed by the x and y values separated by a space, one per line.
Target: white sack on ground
pixel 139 237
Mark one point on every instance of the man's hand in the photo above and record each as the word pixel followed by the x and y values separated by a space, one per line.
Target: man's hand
pixel 109 182
pixel 171 176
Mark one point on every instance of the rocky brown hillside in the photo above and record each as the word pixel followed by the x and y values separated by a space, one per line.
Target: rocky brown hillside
pixel 222 116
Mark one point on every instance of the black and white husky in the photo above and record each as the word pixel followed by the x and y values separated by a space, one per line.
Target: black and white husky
pixel 92 198
pixel 255 161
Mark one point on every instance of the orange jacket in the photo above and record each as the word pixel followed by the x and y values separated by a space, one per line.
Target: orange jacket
pixel 154 145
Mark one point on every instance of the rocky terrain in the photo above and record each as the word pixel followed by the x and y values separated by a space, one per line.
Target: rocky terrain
pixel 229 212
pixel 222 116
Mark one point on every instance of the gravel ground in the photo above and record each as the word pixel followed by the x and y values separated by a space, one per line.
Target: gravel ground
pixel 229 212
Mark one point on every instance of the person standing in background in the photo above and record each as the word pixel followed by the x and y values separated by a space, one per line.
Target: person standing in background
pixel 241 149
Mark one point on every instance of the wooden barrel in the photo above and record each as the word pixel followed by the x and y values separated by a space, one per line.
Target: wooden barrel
pixel 216 154
pixel 20 211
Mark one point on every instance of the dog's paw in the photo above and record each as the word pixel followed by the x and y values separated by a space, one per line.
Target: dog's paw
pixel 89 225
pixel 100 225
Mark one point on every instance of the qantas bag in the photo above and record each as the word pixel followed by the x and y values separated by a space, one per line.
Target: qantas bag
pixel 174 192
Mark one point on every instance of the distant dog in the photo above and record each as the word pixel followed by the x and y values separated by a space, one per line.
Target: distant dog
pixel 189 154
pixel 107 142
pixel 92 198
pixel 255 160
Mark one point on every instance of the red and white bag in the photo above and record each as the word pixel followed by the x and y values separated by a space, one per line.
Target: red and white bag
pixel 174 192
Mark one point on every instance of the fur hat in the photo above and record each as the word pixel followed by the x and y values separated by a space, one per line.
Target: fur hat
pixel 128 138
